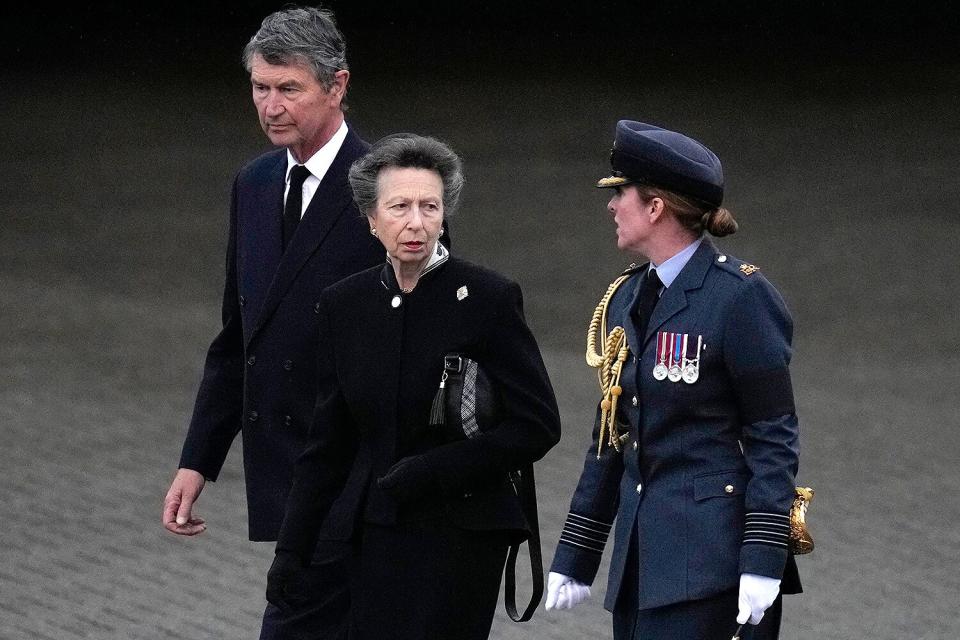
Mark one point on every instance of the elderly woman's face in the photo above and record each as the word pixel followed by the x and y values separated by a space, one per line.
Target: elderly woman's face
pixel 409 212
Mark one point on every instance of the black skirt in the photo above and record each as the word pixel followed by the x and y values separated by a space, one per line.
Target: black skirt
pixel 425 580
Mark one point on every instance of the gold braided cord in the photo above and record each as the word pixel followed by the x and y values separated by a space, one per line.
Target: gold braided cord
pixel 608 364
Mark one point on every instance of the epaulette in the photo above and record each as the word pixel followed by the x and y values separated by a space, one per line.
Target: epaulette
pixel 735 265
pixel 633 268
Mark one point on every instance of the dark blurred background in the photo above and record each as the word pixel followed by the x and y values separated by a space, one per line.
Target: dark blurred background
pixel 122 126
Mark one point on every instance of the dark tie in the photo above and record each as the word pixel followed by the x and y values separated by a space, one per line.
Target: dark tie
pixel 291 211
pixel 646 301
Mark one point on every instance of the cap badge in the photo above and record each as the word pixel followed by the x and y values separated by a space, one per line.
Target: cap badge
pixel 462 292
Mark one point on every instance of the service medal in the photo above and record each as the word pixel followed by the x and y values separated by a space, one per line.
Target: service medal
pixel 691 366
pixel 674 373
pixel 660 369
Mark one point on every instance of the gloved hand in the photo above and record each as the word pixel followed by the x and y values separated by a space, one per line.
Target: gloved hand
pixel 563 592
pixel 408 478
pixel 282 575
pixel 757 593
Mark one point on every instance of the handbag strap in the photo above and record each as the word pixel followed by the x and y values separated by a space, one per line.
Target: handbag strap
pixel 527 492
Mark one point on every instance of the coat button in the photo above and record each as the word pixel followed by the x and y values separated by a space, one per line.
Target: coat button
pixel 252 360
pixel 287 420
pixel 633 401
pixel 728 488
pixel 287 365
pixel 721 258
pixel 635 445
pixel 243 301
pixel 395 302
pixel 253 416
pixel 640 488
pixel 316 308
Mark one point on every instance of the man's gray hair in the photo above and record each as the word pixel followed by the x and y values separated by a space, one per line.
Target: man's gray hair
pixel 300 34
pixel 406 150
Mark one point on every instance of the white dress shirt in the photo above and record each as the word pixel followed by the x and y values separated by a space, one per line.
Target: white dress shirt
pixel 317 164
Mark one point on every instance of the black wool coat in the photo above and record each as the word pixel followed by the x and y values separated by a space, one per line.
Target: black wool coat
pixel 260 372
pixel 379 367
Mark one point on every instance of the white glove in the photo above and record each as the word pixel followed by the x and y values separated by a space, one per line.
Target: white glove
pixel 563 592
pixel 757 593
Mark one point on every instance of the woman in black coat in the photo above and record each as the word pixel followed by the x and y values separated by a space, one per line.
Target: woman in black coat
pixel 430 517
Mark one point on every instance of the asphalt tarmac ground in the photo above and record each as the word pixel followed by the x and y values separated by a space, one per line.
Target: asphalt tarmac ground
pixel 842 175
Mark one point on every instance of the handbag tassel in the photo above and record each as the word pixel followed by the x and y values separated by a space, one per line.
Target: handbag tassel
pixel 437 409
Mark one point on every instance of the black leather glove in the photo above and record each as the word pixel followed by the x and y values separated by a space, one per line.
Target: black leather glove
pixel 409 478
pixel 283 574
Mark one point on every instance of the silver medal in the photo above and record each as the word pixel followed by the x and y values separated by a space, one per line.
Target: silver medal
pixel 691 366
pixel 660 369
pixel 674 373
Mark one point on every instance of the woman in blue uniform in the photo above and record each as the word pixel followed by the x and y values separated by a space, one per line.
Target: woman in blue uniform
pixel 695 447
pixel 430 517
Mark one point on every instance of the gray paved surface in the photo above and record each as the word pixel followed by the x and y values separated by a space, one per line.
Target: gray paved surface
pixel 113 215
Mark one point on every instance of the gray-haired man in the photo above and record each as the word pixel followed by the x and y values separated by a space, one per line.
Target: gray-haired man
pixel 293 231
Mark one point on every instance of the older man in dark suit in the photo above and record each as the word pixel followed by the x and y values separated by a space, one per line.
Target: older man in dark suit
pixel 294 230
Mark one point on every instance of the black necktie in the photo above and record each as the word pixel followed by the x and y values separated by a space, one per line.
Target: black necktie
pixel 646 301
pixel 291 211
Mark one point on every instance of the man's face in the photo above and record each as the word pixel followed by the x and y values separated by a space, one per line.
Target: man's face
pixel 295 110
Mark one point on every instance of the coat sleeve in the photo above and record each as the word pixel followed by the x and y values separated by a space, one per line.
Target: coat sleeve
pixel 592 511
pixel 757 350
pixel 217 411
pixel 321 470
pixel 530 423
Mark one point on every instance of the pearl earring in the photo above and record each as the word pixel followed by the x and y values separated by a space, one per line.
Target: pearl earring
pixel 373 232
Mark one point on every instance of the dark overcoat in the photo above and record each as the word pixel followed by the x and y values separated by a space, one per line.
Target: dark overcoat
pixel 260 372
pixel 705 482
pixel 379 368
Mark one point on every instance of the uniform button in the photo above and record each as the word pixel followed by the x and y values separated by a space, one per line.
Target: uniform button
pixel 243 301
pixel 395 302
pixel 728 488
pixel 640 488
pixel 252 360
pixel 287 420
pixel 635 445
pixel 316 308
pixel 287 365
pixel 721 258
pixel 633 401
pixel 253 416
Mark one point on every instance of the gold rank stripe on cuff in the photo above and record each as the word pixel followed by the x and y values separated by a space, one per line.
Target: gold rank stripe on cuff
pixel 766 528
pixel 586 533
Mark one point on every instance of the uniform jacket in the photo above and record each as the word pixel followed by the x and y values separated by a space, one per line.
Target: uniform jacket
pixel 379 369
pixel 260 372
pixel 705 482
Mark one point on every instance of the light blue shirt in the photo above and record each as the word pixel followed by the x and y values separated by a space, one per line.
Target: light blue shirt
pixel 670 269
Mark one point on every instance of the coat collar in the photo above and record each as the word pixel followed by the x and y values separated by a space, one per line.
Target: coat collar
pixel 388 277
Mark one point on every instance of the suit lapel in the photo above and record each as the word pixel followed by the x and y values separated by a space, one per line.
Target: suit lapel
pixel 263 233
pixel 331 200
pixel 674 299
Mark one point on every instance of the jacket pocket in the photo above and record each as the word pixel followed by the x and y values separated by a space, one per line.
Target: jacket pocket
pixel 719 484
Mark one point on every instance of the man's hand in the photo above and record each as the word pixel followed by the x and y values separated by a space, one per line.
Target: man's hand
pixel 178 505
pixel 563 592
pixel 757 593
